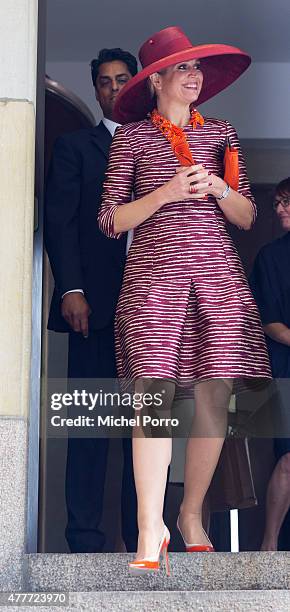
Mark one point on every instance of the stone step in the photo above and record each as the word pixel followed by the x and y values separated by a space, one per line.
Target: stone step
pixel 196 601
pixel 189 572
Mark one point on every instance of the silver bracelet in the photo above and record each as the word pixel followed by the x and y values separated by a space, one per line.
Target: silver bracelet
pixel 225 193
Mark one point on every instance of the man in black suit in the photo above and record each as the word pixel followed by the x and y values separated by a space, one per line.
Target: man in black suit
pixel 87 269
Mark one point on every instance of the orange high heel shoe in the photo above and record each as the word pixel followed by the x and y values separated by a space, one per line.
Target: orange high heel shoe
pixel 152 564
pixel 190 548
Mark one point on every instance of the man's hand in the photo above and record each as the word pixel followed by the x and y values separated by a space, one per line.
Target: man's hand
pixel 76 311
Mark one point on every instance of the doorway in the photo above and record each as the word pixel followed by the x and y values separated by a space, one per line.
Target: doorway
pixel 69 113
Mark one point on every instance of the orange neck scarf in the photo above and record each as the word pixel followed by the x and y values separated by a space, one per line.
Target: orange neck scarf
pixel 180 146
pixel 176 135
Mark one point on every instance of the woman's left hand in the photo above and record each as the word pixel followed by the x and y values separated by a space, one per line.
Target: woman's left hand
pixel 236 207
pixel 204 183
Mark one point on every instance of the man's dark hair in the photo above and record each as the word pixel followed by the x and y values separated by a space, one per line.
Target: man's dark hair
pixel 283 187
pixel 111 55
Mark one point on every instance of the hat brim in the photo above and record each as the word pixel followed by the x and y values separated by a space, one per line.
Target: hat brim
pixel 221 65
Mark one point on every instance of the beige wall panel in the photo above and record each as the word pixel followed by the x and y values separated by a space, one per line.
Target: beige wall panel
pixel 17 142
pixel 18 48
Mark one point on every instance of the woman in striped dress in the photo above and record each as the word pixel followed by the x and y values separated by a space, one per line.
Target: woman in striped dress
pixel 185 312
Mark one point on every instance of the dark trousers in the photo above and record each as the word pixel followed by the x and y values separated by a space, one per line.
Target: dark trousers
pixel 87 457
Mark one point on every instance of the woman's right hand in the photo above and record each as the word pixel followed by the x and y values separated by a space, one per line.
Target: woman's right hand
pixel 189 182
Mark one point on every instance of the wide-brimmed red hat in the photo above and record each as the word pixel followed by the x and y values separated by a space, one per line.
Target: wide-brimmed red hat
pixel 221 65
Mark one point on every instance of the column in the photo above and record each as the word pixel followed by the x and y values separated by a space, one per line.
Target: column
pixel 18 63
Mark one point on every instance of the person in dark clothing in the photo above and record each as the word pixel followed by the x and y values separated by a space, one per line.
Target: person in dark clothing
pixel 87 269
pixel 270 283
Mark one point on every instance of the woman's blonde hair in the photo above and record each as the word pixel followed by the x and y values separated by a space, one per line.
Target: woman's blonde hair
pixel 150 84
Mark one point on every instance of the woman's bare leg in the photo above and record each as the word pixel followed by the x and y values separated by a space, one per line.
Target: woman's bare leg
pixel 151 458
pixel 202 453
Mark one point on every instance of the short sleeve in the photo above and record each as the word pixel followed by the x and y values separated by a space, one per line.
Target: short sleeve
pixel 264 285
pixel 244 183
pixel 119 181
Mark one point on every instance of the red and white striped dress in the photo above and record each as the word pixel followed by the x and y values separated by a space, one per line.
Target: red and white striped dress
pixel 185 310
